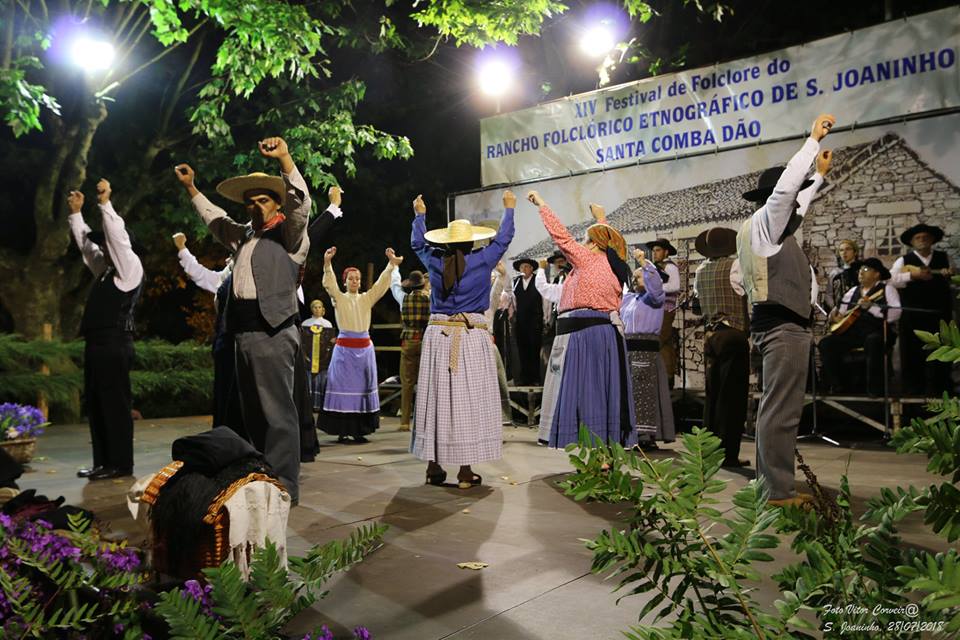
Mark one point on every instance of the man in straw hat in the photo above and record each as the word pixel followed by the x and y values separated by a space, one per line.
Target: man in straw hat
pixel 726 346
pixel 923 275
pixel 107 328
pixel 778 281
pixel 262 308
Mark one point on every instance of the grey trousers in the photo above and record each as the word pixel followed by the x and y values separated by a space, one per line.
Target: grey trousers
pixel 786 358
pixel 265 376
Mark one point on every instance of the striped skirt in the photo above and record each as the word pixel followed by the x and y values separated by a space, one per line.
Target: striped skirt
pixel 595 387
pixel 651 394
pixel 457 419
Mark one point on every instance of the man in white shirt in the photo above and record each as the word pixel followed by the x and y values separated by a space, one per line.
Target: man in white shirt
pixel 777 278
pixel 107 328
pixel 661 250
pixel 873 295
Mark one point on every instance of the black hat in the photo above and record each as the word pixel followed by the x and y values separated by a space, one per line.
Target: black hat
pixel 529 261
pixel 556 255
pixel 413 281
pixel 663 243
pixel 907 236
pixel 97 237
pixel 876 265
pixel 765 184
pixel 717 242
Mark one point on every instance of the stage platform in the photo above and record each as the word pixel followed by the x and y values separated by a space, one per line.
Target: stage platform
pixel 538 584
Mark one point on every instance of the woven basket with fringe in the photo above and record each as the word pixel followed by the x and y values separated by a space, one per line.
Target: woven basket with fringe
pixel 21 450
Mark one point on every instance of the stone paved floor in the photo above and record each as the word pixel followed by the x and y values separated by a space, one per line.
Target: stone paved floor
pixel 538 584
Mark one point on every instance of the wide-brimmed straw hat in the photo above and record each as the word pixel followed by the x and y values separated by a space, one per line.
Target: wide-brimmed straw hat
pixel 459 231
pixel 907 236
pixel 717 242
pixel 233 188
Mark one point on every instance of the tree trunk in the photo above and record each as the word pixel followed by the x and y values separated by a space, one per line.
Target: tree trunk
pixel 32 286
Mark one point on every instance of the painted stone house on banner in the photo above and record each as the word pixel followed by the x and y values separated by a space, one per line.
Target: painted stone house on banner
pixel 874 191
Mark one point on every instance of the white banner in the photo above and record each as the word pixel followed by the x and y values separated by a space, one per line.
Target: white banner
pixel 901 67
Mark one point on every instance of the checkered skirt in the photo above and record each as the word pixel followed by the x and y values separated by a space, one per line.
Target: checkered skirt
pixel 457 418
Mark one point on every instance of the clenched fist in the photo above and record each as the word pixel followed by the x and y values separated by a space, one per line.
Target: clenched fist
pixel 335 195
pixel 185 174
pixel 328 255
pixel 598 212
pixel 821 126
pixel 75 201
pixel 509 200
pixel 180 241
pixel 103 191
pixel 823 161
pixel 273 148
pixel 419 207
pixel 640 257
pixel 535 198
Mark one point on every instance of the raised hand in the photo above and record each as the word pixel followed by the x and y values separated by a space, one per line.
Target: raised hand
pixel 821 126
pixel 535 198
pixel 185 174
pixel 598 212
pixel 328 255
pixel 509 200
pixel 75 201
pixel 419 207
pixel 103 191
pixel 274 147
pixel 335 195
pixel 640 257
pixel 180 241
pixel 543 264
pixel 824 158
pixel 394 259
pixel 501 268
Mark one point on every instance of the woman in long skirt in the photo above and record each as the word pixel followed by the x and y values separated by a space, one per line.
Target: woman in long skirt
pixel 642 314
pixel 591 364
pixel 351 403
pixel 457 418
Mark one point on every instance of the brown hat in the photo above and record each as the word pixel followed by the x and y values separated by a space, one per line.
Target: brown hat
pixel 413 281
pixel 717 242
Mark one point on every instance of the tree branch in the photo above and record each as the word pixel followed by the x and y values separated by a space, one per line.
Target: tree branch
pixel 178 90
pixel 157 57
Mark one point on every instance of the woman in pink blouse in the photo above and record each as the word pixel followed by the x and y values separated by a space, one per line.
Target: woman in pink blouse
pixel 589 353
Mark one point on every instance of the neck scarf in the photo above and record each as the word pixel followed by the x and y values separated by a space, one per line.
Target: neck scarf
pixel 270 224
pixel 454 264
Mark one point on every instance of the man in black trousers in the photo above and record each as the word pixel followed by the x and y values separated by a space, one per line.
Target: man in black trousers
pixel 107 328
pixel 529 321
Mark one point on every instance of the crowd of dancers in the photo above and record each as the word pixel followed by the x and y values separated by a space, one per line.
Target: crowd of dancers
pixel 603 323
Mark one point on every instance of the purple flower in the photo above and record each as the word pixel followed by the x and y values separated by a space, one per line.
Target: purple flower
pixel 325 634
pixel 118 628
pixel 119 558
pixel 20 421
pixel 200 593
pixel 362 633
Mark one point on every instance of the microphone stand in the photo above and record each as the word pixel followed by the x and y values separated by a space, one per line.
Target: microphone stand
pixel 814 432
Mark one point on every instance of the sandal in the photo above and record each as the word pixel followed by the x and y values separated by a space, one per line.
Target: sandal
pixel 437 479
pixel 466 484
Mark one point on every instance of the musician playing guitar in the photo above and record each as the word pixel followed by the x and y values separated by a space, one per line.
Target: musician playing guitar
pixel 857 322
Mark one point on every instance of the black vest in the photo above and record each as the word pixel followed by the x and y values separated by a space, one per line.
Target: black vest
pixel 275 275
pixel 931 294
pixel 529 302
pixel 866 322
pixel 108 308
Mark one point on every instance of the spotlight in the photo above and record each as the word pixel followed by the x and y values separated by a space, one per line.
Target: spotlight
pixel 495 77
pixel 597 41
pixel 90 54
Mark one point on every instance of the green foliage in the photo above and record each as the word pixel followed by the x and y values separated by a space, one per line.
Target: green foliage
pixel 848 571
pixel 160 369
pixel 260 608
pixel 477 23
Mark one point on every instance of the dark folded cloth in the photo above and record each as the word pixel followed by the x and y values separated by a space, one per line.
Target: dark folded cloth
pixel 213 450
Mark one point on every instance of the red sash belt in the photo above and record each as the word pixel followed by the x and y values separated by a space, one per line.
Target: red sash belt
pixel 354 343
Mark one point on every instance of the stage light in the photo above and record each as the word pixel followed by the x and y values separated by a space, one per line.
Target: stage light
pixel 495 77
pixel 597 41
pixel 90 54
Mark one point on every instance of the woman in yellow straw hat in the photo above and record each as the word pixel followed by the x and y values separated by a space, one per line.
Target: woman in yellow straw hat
pixel 457 420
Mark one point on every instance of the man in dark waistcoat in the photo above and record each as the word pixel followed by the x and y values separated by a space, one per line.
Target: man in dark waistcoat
pixel 529 321
pixel 262 309
pixel 923 277
pixel 107 328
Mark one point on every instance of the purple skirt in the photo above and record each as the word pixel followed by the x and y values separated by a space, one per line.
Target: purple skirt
pixel 595 386
pixel 352 378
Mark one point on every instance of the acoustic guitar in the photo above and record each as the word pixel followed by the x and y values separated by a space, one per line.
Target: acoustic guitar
pixel 909 268
pixel 844 323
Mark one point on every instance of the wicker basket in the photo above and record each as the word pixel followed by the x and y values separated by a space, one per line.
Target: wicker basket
pixel 21 450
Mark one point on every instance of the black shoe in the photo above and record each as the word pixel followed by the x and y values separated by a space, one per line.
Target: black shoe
pixel 359 439
pixel 89 471
pixel 108 473
pixel 735 464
